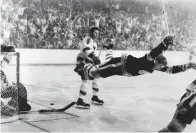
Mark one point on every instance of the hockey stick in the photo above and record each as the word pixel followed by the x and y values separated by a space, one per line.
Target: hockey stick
pixel 100 53
pixel 51 110
pixel 57 110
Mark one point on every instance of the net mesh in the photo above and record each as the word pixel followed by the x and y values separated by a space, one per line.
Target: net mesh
pixel 9 86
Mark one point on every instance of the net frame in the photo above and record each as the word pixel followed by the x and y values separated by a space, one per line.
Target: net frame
pixel 16 116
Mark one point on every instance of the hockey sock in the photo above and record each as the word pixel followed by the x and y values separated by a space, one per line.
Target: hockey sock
pixel 95 87
pixel 83 87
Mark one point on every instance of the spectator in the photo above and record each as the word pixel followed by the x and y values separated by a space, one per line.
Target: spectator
pixel 52 20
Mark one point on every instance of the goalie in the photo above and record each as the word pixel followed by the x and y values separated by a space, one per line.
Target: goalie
pixel 185 112
pixel 10 93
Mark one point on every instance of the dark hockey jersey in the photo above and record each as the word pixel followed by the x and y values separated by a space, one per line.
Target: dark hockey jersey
pixel 139 66
pixel 134 66
pixel 126 65
pixel 129 65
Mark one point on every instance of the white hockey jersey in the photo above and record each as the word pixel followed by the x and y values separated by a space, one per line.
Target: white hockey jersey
pixel 88 45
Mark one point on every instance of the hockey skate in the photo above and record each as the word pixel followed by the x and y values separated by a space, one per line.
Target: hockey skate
pixel 96 100
pixel 26 107
pixel 81 104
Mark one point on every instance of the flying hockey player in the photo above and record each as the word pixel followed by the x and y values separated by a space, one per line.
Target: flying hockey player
pixel 88 49
pixel 185 112
pixel 128 65
pixel 16 94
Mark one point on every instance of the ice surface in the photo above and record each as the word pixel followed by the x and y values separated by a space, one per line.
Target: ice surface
pixel 132 104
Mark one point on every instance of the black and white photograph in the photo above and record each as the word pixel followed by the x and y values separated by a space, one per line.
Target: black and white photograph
pixel 98 65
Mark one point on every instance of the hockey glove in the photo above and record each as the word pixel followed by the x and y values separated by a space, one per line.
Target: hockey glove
pixel 95 59
pixel 191 65
pixel 79 68
pixel 167 41
pixel 108 44
pixel 84 57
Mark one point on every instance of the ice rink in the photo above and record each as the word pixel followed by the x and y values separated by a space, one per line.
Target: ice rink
pixel 132 104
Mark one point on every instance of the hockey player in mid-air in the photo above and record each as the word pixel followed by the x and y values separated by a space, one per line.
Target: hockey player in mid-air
pixel 89 47
pixel 129 65
pixel 16 94
pixel 185 112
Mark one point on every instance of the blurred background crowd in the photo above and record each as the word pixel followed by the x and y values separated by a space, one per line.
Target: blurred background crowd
pixel 62 24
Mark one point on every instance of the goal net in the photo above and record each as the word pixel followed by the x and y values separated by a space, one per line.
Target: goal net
pixel 10 67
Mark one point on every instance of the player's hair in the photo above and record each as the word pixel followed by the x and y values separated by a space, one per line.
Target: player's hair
pixel 161 59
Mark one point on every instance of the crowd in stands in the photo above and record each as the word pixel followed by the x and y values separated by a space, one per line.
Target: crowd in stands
pixel 62 24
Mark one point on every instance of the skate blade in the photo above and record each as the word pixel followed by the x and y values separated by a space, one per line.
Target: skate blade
pixel 82 107
pixel 96 103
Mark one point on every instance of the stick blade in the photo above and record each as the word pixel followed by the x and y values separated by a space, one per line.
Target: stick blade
pixel 57 110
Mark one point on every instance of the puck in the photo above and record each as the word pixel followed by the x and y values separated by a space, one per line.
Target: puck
pixel 51 103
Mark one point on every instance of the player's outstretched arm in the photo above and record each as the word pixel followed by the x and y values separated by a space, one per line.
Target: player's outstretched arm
pixel 178 68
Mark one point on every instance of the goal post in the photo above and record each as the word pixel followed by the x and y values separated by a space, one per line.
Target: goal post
pixel 10 79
